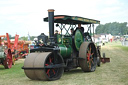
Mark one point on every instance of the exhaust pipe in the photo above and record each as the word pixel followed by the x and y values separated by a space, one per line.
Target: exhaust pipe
pixel 51 22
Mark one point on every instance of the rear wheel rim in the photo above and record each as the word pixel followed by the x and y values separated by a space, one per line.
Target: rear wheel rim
pixel 90 57
pixel 88 53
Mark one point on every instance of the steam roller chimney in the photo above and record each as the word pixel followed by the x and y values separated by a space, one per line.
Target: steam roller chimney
pixel 51 22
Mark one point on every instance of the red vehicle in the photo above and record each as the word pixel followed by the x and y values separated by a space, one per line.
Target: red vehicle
pixel 12 50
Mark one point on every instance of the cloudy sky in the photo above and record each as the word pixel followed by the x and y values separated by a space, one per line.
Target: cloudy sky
pixel 23 16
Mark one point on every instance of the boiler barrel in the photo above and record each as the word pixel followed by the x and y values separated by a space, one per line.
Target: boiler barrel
pixel 65 51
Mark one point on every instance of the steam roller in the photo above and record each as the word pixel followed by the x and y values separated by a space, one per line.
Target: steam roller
pixel 61 52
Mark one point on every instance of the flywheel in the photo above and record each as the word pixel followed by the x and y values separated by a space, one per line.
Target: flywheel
pixel 78 39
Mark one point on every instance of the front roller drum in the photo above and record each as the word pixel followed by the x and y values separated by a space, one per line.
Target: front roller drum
pixel 29 63
pixel 88 57
pixel 44 66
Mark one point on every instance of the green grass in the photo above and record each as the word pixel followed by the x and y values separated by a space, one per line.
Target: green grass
pixel 123 48
pixel 113 73
pixel 119 61
pixel 117 44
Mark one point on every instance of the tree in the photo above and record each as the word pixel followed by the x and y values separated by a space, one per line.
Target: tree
pixel 26 38
pixel 114 28
pixel 23 38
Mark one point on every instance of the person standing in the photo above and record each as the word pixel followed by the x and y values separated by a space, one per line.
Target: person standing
pixel 79 27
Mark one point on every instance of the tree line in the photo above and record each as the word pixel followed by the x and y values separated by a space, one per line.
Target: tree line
pixel 114 28
pixel 22 38
pixel 26 38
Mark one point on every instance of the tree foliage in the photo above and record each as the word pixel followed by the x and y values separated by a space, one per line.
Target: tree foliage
pixel 26 38
pixel 22 38
pixel 114 28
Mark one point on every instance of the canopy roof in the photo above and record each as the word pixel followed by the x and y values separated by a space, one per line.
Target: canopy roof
pixel 72 20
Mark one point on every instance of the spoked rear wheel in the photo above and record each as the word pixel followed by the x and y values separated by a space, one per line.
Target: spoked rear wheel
pixel 88 53
pixel 50 66
pixel 8 59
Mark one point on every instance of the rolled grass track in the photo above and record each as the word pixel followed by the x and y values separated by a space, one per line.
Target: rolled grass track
pixel 113 73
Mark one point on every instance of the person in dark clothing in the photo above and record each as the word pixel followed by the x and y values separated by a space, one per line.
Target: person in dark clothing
pixel 72 31
pixel 55 36
pixel 79 27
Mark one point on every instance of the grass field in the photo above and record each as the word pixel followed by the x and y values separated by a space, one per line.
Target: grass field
pixel 113 73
